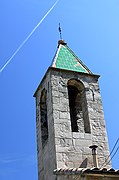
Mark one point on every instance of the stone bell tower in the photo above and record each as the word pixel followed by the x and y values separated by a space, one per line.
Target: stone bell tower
pixel 69 116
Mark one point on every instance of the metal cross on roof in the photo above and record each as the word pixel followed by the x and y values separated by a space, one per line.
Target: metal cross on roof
pixel 60 31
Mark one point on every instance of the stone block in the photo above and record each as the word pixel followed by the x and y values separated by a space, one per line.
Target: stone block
pixel 61 164
pixel 77 135
pixel 64 142
pixel 88 136
pixel 61 149
pixel 56 100
pixel 60 107
pixel 63 127
pixel 74 157
pixel 54 87
pixel 60 121
pixel 83 143
pixel 77 149
pixel 61 134
pixel 64 115
pixel 64 101
pixel 55 93
pixel 59 157
pixel 69 164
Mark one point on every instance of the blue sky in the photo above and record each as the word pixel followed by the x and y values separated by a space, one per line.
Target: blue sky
pixel 91 30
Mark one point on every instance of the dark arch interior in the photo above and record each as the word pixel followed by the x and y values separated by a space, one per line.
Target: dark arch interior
pixel 73 91
pixel 43 112
pixel 78 107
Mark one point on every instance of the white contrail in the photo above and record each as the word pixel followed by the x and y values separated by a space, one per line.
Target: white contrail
pixel 21 45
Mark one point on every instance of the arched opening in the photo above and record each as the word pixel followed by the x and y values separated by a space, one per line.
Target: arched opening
pixel 73 91
pixel 78 107
pixel 43 113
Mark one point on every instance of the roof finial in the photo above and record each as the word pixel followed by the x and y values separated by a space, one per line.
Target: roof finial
pixel 60 31
pixel 61 41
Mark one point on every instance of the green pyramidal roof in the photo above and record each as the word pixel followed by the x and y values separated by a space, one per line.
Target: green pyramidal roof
pixel 66 59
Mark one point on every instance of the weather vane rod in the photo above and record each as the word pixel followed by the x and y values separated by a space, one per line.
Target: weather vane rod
pixel 60 31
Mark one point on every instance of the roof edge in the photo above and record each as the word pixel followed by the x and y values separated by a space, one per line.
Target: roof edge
pixel 58 69
pixel 87 171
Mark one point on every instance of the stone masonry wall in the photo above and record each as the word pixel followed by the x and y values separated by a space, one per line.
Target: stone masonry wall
pixel 63 147
pixel 72 148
